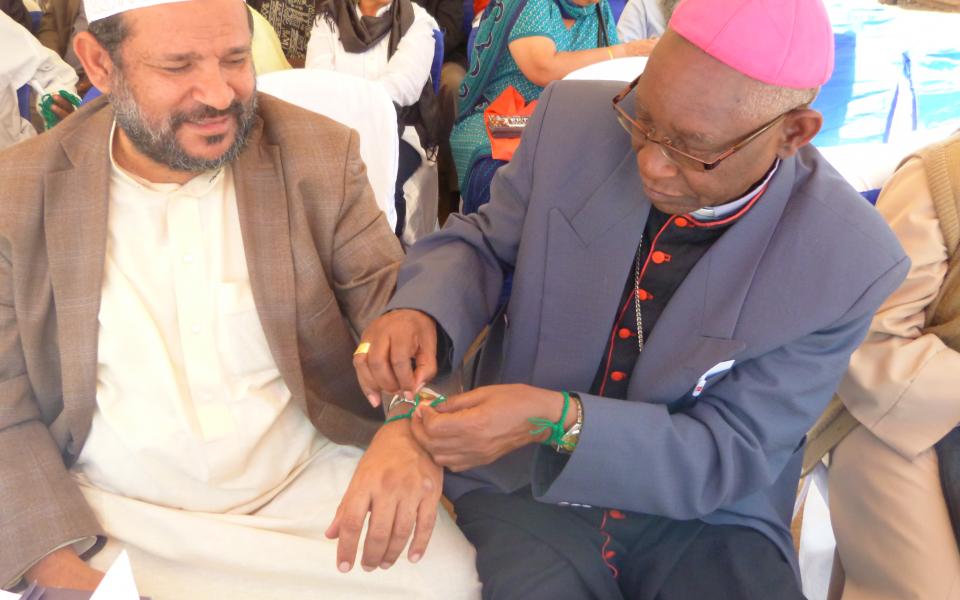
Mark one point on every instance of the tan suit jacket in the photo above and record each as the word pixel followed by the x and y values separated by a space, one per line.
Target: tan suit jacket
pixel 322 261
pixel 893 530
pixel 902 383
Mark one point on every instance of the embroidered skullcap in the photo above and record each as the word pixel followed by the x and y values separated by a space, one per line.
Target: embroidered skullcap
pixel 101 9
pixel 786 43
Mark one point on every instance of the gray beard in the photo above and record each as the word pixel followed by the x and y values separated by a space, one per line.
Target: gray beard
pixel 159 141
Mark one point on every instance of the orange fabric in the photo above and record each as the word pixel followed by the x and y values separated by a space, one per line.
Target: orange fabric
pixel 508 104
pixel 479 6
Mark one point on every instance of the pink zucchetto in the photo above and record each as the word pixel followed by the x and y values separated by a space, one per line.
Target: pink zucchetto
pixel 786 43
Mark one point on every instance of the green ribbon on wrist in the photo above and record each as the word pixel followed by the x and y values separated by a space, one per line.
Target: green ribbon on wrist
pixel 416 403
pixel 556 429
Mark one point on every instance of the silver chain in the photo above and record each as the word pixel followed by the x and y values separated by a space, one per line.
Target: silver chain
pixel 636 294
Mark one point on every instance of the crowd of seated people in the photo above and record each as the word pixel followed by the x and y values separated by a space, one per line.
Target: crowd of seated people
pixel 594 456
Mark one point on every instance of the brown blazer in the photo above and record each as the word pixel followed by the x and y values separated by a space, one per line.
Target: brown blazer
pixel 322 261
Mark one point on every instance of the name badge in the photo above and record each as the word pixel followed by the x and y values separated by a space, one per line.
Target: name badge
pixel 714 371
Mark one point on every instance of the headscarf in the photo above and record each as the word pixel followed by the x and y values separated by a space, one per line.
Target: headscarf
pixel 359 34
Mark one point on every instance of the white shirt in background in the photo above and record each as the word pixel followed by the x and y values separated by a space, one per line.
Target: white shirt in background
pixel 640 20
pixel 403 76
pixel 23 60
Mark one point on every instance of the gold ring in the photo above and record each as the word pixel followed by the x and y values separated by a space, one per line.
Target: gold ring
pixel 363 348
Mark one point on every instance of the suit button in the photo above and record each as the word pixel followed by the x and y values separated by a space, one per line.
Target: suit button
pixel 618 376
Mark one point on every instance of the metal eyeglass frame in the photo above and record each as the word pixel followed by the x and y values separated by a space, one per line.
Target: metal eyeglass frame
pixel 672 153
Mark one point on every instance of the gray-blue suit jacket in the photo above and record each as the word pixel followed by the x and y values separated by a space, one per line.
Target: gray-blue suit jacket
pixel 787 292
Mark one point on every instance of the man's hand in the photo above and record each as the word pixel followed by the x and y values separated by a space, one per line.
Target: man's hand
pixel 397 341
pixel 64 569
pixel 61 106
pixel 480 426
pixel 399 485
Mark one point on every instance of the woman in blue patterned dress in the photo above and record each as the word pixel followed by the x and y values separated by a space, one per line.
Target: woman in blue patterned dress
pixel 525 44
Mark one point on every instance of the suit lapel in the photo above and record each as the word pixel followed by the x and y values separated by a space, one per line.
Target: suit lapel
pixel 75 225
pixel 598 245
pixel 265 228
pixel 696 330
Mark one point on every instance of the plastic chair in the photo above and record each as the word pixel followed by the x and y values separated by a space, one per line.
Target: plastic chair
pixel 437 66
pixel 357 103
pixel 618 69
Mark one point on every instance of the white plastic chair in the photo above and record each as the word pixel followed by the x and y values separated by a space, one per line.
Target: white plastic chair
pixel 357 103
pixel 618 69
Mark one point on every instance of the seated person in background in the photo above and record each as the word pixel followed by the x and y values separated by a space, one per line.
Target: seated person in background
pixel 267 50
pixel 391 43
pixel 292 21
pixel 689 285
pixel 16 10
pixel 449 17
pixel 524 44
pixel 23 60
pixel 62 20
pixel 893 530
pixel 645 19
pixel 178 285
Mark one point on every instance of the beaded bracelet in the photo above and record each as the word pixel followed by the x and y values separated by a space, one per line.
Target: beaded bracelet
pixel 556 429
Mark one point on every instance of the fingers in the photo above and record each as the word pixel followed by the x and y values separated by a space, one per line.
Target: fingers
pixel 426 519
pixel 346 528
pixel 401 355
pixel 367 382
pixel 379 533
pixel 462 401
pixel 379 363
pixel 425 359
pixel 401 362
pixel 403 524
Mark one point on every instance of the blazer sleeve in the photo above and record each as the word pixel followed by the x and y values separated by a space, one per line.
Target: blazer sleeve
pixel 366 253
pixel 455 275
pixel 734 441
pixel 902 383
pixel 41 507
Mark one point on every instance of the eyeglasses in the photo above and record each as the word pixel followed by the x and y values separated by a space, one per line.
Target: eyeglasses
pixel 641 135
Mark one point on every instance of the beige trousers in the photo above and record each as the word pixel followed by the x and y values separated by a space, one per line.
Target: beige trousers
pixel 278 552
pixel 894 537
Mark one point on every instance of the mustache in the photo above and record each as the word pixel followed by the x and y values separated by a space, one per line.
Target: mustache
pixel 236 110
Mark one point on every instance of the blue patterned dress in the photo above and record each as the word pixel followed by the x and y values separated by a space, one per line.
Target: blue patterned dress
pixel 493 69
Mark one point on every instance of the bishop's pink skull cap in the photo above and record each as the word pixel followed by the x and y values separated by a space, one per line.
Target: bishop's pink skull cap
pixel 786 43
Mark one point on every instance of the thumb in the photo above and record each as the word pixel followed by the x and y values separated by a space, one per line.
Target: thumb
pixel 460 401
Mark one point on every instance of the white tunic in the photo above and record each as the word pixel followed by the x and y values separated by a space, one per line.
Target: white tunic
pixel 191 409
pixel 197 462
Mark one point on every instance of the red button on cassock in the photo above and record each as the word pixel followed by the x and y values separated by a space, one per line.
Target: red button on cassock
pixel 624 333
pixel 660 257
pixel 644 295
pixel 618 375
